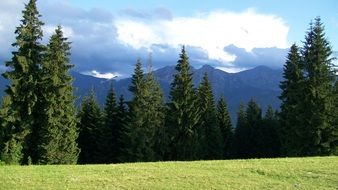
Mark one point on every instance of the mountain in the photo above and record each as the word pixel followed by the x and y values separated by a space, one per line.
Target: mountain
pixel 261 83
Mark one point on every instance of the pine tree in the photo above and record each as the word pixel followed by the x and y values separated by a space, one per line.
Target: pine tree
pixel 145 116
pixel 292 120
pixel 209 135
pixel 241 133
pixel 23 91
pixel 122 128
pixel 225 126
pixel 270 143
pixel 321 138
pixel 254 123
pixel 111 130
pixel 57 118
pixel 248 131
pixel 90 127
pixel 155 116
pixel 11 150
pixel 182 115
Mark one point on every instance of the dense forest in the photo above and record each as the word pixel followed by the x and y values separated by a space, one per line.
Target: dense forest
pixel 40 124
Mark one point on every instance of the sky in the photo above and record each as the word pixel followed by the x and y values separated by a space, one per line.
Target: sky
pixel 108 36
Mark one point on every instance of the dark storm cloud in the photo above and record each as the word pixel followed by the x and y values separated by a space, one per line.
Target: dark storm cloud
pixel 271 57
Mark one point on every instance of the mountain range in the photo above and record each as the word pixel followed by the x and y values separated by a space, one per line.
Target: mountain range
pixel 261 83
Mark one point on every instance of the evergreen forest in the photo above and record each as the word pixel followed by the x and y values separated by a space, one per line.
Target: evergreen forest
pixel 40 123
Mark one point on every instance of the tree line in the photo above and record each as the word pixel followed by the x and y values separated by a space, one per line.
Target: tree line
pixel 41 125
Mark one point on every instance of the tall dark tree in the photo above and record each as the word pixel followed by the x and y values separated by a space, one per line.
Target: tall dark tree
pixel 111 129
pixel 145 115
pixel 23 91
pixel 57 120
pixel 248 131
pixel 11 149
pixel 209 134
pixel 155 116
pixel 269 140
pixel 241 133
pixel 292 97
pixel 321 135
pixel 225 126
pixel 182 115
pixel 90 127
pixel 254 123
pixel 122 128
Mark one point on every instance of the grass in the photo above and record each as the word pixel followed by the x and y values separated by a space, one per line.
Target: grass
pixel 285 173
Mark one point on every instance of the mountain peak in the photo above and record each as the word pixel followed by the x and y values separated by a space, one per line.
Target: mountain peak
pixel 207 67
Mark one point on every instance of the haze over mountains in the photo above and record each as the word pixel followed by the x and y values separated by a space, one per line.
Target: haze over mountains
pixel 261 83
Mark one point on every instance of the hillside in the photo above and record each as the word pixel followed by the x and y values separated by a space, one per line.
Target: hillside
pixel 283 173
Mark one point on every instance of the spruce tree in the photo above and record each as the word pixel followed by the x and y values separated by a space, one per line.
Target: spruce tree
pixel 254 123
pixel 11 150
pixel 248 131
pixel 209 135
pixel 122 128
pixel 111 130
pixel 155 116
pixel 23 91
pixel 57 118
pixel 90 127
pixel 269 141
pixel 145 116
pixel 292 108
pixel 182 115
pixel 321 135
pixel 241 133
pixel 225 126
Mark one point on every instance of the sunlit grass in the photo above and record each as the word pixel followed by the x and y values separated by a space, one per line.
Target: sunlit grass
pixel 285 173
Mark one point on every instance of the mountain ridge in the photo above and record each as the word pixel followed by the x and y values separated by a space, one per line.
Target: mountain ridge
pixel 261 83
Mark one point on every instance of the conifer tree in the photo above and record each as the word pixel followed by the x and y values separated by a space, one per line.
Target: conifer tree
pixel 122 129
pixel 225 126
pixel 254 123
pixel 209 135
pixel 155 116
pixel 182 115
pixel 90 127
pixel 23 91
pixel 248 131
pixel 321 135
pixel 57 119
pixel 145 115
pixel 241 133
pixel 111 130
pixel 11 150
pixel 270 143
pixel 292 120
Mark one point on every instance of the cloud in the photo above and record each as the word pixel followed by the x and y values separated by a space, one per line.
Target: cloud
pixel 10 16
pixel 103 75
pixel 211 32
pixel 111 43
pixel 272 57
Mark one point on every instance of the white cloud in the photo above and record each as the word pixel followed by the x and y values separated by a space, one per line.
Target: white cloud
pixel 50 30
pixel 232 69
pixel 97 74
pixel 211 32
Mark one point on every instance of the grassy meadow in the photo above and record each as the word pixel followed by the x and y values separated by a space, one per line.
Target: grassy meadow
pixel 284 173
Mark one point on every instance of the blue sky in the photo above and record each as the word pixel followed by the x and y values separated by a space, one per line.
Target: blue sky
pixel 108 36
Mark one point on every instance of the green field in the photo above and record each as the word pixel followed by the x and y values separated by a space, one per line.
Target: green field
pixel 286 173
